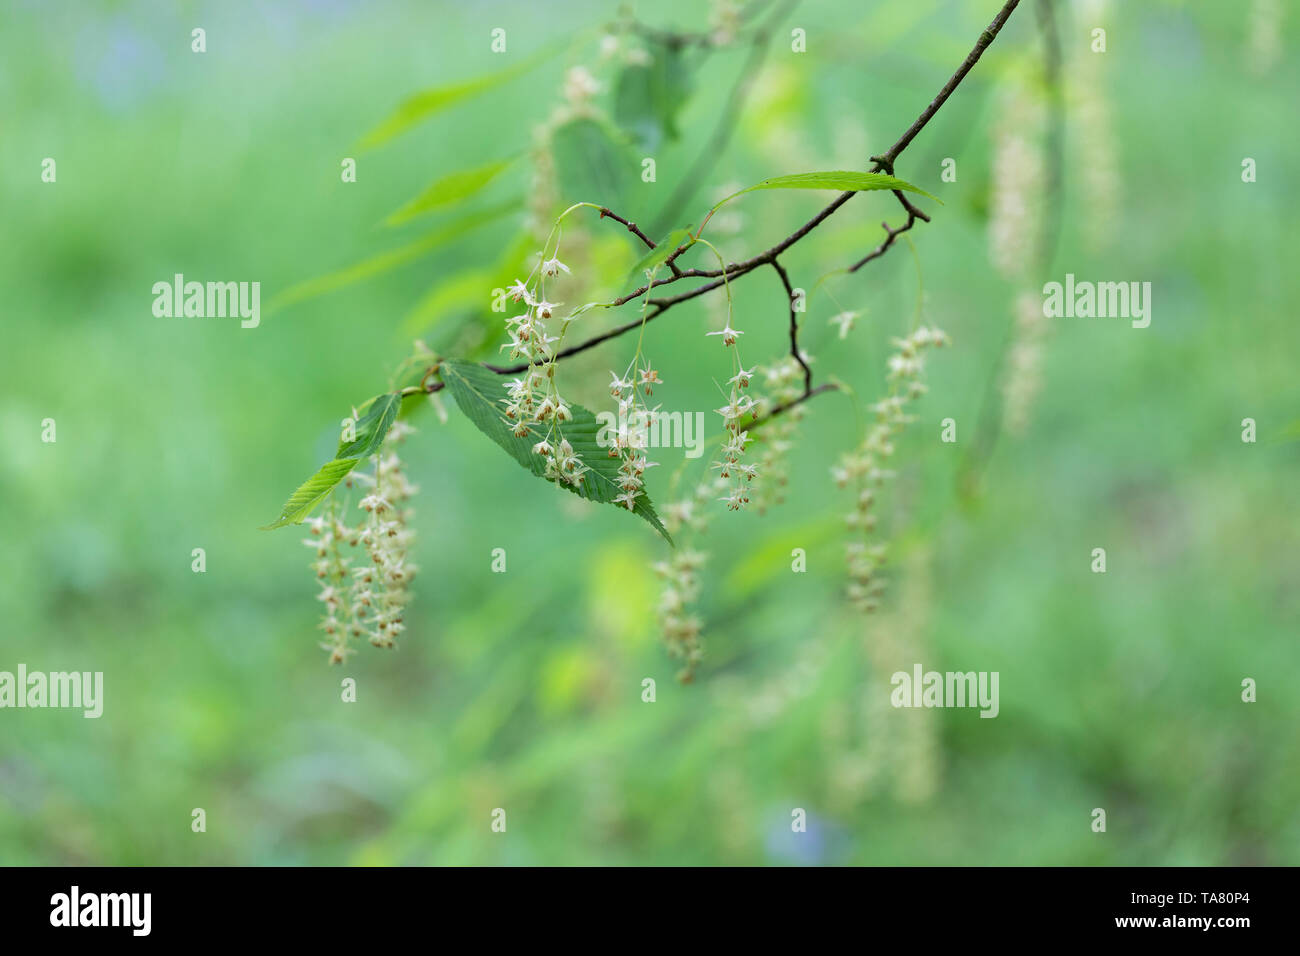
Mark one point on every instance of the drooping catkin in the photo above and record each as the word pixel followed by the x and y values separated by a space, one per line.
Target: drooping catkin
pixel 1022 379
pixel 687 520
pixel 783 382
pixel 368 600
pixel 1015 206
pixel 1016 234
pixel 864 468
pixel 1264 42
pixel 899 746
pixel 1092 134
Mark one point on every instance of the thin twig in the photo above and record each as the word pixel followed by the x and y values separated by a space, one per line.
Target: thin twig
pixel 884 162
pixel 794 326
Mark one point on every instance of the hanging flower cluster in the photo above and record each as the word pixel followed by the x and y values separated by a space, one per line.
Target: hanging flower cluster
pixel 783 382
pixel 370 600
pixel 864 467
pixel 680 574
pixel 1023 378
pixel 736 473
pixel 535 398
pixel 632 436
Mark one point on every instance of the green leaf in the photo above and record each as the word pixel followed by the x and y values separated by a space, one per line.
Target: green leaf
pixel 478 393
pixel 648 97
pixel 424 104
pixel 387 261
pixel 593 163
pixel 448 189
pixel 657 255
pixel 377 416
pixel 312 492
pixel 371 429
pixel 839 180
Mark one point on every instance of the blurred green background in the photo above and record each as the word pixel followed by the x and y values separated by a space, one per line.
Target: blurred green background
pixel 523 690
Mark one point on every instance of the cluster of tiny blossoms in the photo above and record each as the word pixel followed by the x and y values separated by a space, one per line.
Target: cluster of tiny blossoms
pixel 783 381
pixel 534 398
pixel 367 601
pixel 631 438
pixel 680 574
pixel 1023 378
pixel 731 468
pixel 864 467
pixel 1015 216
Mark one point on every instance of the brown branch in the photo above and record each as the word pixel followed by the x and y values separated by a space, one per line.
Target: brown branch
pixel 890 236
pixel 631 226
pixel 786 406
pixel 972 58
pixel 884 162
pixel 794 326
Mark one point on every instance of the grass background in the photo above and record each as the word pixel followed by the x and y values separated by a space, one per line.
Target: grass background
pixel 522 690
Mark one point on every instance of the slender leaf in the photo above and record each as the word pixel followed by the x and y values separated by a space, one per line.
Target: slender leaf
pixel 449 189
pixel 371 428
pixel 312 492
pixel 660 252
pixel 839 180
pixel 424 104
pixel 478 393
pixel 377 416
pixel 387 261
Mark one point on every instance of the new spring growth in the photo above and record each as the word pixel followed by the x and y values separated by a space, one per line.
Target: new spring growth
pixel 535 398
pixel 681 577
pixel 865 469
pixel 369 600
pixel 783 382
pixel 632 435
pixel 735 473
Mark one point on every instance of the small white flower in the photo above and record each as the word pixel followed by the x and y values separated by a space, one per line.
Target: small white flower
pixel 741 378
pixel 735 408
pixel 580 85
pixel 553 267
pixel 636 56
pixel 728 334
pixel 845 321
pixel 519 292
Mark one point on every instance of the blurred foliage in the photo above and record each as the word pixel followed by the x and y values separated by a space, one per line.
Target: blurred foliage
pixel 523 690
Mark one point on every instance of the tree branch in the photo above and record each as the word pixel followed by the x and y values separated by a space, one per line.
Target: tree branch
pixel 883 162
